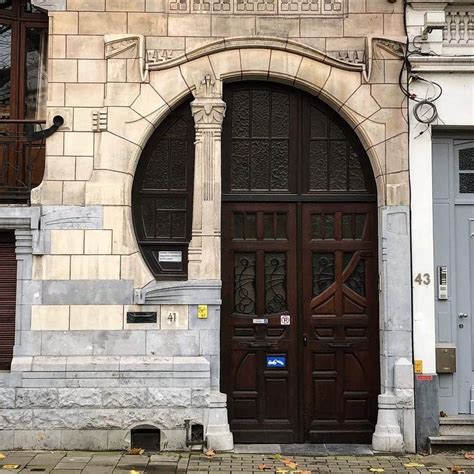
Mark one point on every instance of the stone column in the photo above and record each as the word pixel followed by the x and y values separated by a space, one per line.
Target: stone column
pixel 208 110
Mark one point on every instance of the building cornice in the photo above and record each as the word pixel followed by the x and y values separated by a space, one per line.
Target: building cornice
pixel 442 64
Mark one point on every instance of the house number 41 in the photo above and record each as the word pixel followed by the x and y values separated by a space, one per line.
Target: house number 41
pixel 424 279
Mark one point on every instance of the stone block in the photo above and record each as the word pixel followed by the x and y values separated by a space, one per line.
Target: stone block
pixel 116 70
pixel 67 242
pixel 7 439
pixel 79 398
pixel 57 46
pixel 121 94
pixel 37 439
pixel 375 6
pixel 95 267
pixel 322 27
pixel 54 419
pixel 51 267
pixel 52 318
pixel 7 397
pixel 21 363
pixel 64 23
pixel 200 397
pixel 134 268
pixel 59 168
pixel 393 25
pixel 284 65
pixel 280 27
pixel 363 25
pixel 230 26
pixel 146 363
pixel 189 25
pixel 100 419
pixel 67 343
pixel 98 242
pixel 172 342
pixel 116 153
pixel 82 93
pixel 119 343
pixel 387 95
pixel 84 167
pixel 92 363
pixel 169 397
pixel 118 440
pixel 190 364
pixel 97 23
pixel 91 70
pixel 171 86
pixel 211 322
pixel 357 6
pixel 63 70
pixel 55 95
pixel 255 61
pixel 148 24
pixel 124 398
pixel 55 144
pixel 226 64
pixel 108 188
pixel 149 102
pixel 84 440
pixel 100 317
pixel 48 364
pixel 73 193
pixel 71 217
pixel 362 102
pixel 36 397
pixel 174 317
pixel 85 47
pixel 125 5
pixel 313 74
pixel 86 5
pixel 15 419
pixel 209 342
pixel 397 153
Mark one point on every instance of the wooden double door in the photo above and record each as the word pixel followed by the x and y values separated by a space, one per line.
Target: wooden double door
pixel 300 321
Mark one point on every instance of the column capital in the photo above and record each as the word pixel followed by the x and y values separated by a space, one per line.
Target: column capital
pixel 208 108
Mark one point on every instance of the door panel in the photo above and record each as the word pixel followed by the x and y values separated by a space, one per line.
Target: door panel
pixel 339 262
pixel 259 276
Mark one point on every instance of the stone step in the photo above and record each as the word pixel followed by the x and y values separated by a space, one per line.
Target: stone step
pixel 459 425
pixel 442 443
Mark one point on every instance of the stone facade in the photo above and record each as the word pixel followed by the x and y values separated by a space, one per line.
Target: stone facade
pixel 82 377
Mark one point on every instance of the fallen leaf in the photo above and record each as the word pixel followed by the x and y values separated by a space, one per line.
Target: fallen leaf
pixel 469 456
pixel 2 456
pixel 458 470
pixel 376 469
pixel 210 453
pixel 413 464
pixel 11 467
pixel 136 451
pixel 263 467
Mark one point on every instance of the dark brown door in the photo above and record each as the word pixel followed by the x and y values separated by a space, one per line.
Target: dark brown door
pixel 340 322
pixel 259 272
pixel 7 298
pixel 299 267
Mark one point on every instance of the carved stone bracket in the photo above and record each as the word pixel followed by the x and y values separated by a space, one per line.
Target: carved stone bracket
pixel 208 110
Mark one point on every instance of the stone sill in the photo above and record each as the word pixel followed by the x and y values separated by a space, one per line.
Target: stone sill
pixel 199 366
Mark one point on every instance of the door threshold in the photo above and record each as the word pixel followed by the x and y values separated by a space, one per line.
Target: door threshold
pixel 306 449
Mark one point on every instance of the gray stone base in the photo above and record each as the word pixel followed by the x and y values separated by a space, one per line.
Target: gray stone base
pixel 93 403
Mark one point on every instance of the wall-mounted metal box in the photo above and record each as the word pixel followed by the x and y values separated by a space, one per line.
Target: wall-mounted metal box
pixel 445 359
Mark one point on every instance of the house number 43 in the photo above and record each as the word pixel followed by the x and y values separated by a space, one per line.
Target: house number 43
pixel 424 279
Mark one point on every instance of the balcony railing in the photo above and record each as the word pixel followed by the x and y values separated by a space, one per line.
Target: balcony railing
pixel 22 154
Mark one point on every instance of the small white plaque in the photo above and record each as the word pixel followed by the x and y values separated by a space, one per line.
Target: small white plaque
pixel 285 319
pixel 170 256
pixel 260 321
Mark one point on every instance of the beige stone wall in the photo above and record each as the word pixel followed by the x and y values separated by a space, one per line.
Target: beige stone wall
pixel 113 87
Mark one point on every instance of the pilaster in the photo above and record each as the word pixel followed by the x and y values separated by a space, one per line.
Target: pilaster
pixel 208 110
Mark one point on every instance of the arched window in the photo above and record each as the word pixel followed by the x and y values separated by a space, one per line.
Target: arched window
pixel 162 196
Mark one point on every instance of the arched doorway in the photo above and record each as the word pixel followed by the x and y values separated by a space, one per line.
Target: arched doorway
pixel 299 340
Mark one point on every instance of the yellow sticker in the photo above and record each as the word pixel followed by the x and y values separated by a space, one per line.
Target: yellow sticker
pixel 202 311
pixel 418 366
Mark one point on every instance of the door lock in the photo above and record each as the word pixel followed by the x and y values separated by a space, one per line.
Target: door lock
pixel 463 315
pixel 305 340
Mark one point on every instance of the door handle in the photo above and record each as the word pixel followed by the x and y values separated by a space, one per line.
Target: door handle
pixel 463 315
pixel 305 340
pixel 340 344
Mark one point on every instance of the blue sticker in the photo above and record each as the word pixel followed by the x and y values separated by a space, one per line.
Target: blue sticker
pixel 276 362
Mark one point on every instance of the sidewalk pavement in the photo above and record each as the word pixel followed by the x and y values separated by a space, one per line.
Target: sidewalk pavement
pixel 196 462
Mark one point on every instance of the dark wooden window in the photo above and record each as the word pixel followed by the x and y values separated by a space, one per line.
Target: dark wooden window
pixel 23 93
pixel 162 196
pixel 281 141
pixel 7 298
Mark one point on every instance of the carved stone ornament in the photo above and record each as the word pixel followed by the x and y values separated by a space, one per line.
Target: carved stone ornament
pixel 128 46
pixel 208 108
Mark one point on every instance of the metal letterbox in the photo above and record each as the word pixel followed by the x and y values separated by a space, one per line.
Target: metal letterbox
pixel 445 359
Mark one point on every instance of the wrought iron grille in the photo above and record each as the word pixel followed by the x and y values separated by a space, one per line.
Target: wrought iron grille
pixel 22 157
